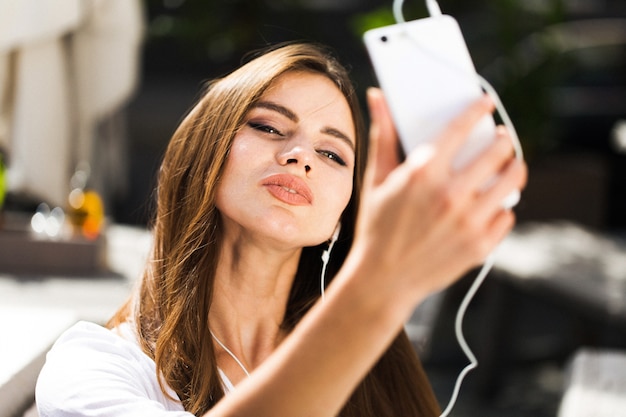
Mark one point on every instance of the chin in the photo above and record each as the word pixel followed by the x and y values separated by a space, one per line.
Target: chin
pixel 297 240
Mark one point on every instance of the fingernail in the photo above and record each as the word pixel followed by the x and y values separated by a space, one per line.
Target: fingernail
pixel 421 155
pixel 487 100
pixel 501 131
pixel 373 95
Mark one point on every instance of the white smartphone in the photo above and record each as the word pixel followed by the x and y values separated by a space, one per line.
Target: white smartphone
pixel 427 76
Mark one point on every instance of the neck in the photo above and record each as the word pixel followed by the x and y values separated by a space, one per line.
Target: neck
pixel 251 291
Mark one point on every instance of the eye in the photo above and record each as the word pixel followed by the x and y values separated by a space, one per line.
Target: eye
pixel 332 156
pixel 265 128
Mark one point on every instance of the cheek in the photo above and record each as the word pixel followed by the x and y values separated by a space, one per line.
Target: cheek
pixel 240 162
pixel 232 178
pixel 241 152
pixel 340 196
pixel 347 194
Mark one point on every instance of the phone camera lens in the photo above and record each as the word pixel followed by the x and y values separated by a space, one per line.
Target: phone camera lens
pixel 383 38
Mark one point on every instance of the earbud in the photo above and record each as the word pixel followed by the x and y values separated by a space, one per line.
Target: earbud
pixel 326 257
pixel 331 243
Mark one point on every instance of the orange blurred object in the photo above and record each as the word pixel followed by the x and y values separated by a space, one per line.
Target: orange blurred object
pixel 86 212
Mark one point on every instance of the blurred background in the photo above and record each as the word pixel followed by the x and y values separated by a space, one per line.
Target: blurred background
pixel 91 91
pixel 131 70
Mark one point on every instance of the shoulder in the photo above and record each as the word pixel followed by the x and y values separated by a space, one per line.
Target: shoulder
pixel 88 347
pixel 96 371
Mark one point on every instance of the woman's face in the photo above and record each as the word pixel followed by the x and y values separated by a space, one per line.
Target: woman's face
pixel 289 174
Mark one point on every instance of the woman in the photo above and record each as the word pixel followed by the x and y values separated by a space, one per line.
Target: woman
pixel 255 181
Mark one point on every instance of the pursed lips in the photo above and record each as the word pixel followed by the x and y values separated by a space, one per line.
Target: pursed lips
pixel 289 189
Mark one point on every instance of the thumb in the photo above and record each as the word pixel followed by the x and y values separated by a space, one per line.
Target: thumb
pixel 383 152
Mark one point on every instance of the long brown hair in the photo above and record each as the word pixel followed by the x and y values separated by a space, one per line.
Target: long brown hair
pixel 171 307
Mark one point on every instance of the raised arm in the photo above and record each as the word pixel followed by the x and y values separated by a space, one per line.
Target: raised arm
pixel 421 226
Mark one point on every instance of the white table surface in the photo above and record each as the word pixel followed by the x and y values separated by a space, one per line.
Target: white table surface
pixel 34 311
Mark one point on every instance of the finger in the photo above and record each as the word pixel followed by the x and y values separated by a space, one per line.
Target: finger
pixel 457 131
pixel 483 169
pixel 512 178
pixel 501 225
pixel 383 157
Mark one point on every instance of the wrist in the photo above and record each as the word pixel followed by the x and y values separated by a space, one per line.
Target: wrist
pixel 371 286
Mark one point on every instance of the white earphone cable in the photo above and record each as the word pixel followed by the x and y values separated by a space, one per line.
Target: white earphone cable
pixel 398 14
pixel 434 11
pixel 232 355
pixel 326 258
pixel 431 5
pixel 458 329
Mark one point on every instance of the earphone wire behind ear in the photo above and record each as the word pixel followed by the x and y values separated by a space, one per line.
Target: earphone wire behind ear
pixel 326 258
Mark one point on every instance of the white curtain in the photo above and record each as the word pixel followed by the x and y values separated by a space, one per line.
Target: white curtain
pixel 66 66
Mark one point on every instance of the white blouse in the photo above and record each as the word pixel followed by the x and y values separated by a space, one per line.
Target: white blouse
pixel 95 371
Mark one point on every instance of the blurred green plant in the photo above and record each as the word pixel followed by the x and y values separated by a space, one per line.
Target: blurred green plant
pixel 362 22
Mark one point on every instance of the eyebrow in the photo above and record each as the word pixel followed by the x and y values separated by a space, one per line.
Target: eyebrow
pixel 279 109
pixel 339 135
pixel 294 118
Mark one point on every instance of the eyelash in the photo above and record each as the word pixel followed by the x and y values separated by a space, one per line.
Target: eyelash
pixel 333 157
pixel 273 131
pixel 265 128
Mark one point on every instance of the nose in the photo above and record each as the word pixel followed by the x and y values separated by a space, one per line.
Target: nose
pixel 297 154
pixel 307 168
